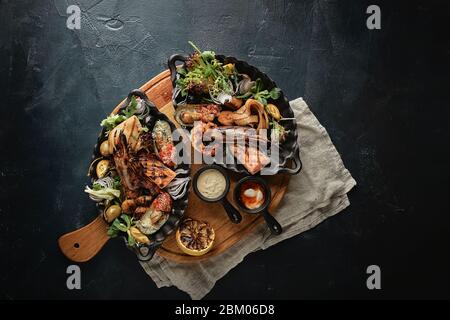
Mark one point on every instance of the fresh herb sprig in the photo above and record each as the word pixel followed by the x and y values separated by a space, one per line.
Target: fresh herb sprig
pixel 261 95
pixel 113 120
pixel 131 109
pixel 122 224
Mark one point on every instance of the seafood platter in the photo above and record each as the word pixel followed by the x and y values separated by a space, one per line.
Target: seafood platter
pixel 148 195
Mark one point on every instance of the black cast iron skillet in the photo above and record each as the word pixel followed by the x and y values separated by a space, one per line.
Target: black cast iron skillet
pixel 231 211
pixel 271 222
pixel 289 150
pixel 145 252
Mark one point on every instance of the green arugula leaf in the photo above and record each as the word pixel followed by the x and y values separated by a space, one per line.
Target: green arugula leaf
pixel 112 121
pixel 263 95
pixel 131 241
pixel 275 93
pixel 257 87
pixel 208 55
pixel 96 187
pixel 127 220
pixel 122 224
pixel 262 100
pixel 117 184
pixel 119 225
pixel 113 232
pixel 245 95
pixel 130 110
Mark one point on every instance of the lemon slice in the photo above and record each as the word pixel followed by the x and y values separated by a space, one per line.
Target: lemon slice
pixel 195 237
pixel 102 168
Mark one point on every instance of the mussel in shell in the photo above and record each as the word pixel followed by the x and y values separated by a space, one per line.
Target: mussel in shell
pixel 245 85
pixel 187 114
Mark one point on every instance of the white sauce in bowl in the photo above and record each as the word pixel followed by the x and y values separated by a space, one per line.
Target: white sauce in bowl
pixel 211 183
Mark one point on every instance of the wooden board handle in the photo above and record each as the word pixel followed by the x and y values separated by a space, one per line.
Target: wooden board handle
pixel 83 244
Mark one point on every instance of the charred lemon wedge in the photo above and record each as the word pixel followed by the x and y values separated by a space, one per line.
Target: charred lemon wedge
pixel 195 237
pixel 102 168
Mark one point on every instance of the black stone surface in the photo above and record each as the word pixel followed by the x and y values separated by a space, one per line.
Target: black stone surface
pixel 383 96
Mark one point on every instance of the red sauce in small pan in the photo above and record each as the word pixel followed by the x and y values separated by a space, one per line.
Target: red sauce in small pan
pixel 252 195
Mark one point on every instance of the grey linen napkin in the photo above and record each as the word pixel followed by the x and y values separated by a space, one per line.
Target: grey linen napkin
pixel 319 191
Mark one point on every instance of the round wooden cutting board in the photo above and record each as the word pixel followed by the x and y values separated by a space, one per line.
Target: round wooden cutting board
pixel 159 91
pixel 84 243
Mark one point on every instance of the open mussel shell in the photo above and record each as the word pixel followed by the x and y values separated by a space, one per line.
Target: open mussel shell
pixel 245 85
pixel 185 115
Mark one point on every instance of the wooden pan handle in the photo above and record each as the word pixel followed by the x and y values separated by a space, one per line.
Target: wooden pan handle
pixel 83 244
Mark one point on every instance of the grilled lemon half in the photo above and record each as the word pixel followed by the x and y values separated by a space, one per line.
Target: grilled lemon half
pixel 195 237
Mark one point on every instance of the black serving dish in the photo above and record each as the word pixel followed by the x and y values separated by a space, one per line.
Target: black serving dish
pixel 273 225
pixel 289 152
pixel 145 252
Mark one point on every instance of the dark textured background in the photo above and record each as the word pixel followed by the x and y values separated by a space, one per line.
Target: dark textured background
pixel 382 95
